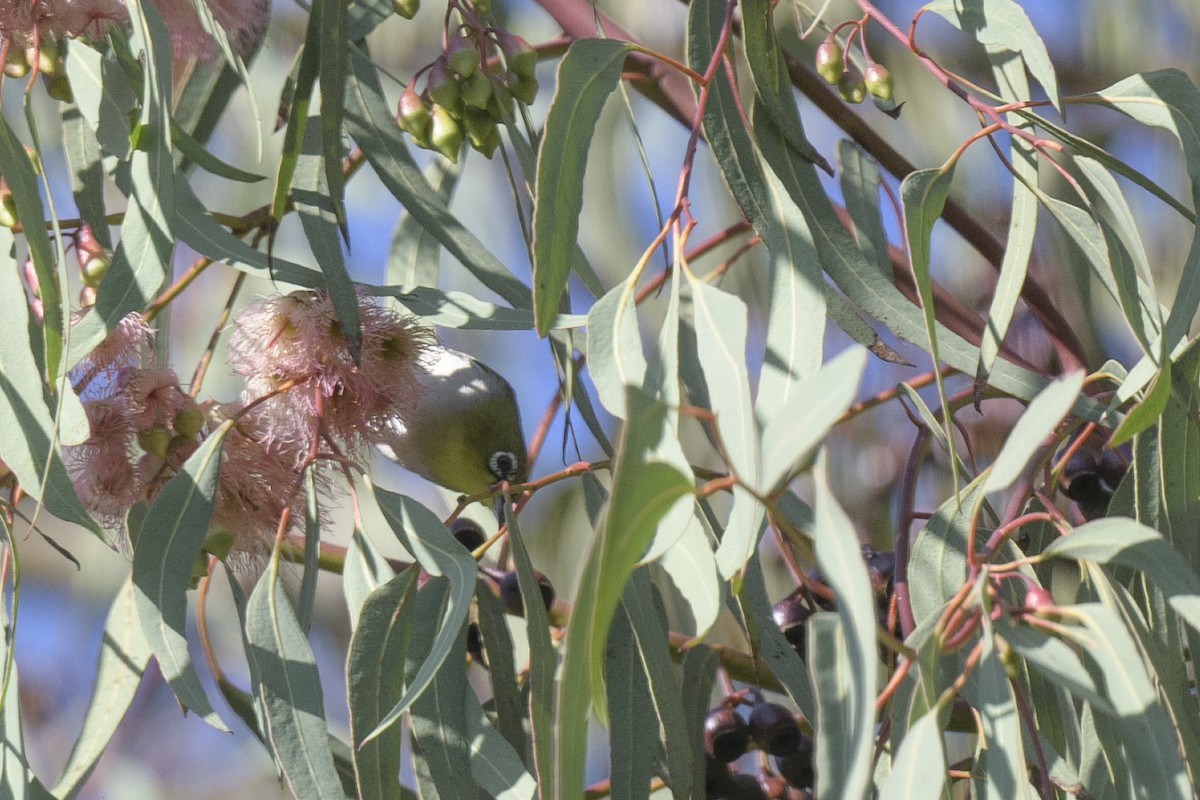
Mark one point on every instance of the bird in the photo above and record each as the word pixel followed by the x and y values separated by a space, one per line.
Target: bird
pixel 464 432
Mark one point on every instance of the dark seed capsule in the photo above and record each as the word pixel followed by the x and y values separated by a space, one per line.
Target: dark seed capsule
pixel 510 593
pixel 475 642
pixel 796 767
pixel 790 615
pixel 726 734
pixel 774 728
pixel 468 533
pixel 745 787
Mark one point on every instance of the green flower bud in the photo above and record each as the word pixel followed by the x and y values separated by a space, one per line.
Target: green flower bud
pixel 520 57
pixel 481 131
pixel 523 87
pixel 413 115
pixel 482 6
pixel 188 422
pixel 16 65
pixel 442 87
pixel 851 86
pixel 447 134
pixel 476 90
pixel 463 56
pixel 406 8
pixel 93 270
pixel 879 81
pixel 829 61
pixel 155 441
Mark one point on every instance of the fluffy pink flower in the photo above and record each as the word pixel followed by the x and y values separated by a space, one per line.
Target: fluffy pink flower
pixel 297 339
pixel 100 467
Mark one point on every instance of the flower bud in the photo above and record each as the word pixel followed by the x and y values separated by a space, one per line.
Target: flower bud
pixel 481 131
pixel 155 441
pixel 87 297
pixel 8 206
pixel 829 60
pixel 462 56
pixel 476 90
pixel 414 116
pixel 189 421
pixel 879 81
pixel 16 65
pixel 518 55
pixel 482 6
pixel 446 135
pixel 442 87
pixel 523 87
pixel 850 85
pixel 406 8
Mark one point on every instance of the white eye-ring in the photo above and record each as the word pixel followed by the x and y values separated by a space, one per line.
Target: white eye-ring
pixel 503 465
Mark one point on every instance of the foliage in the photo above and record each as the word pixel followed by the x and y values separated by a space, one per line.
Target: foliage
pixel 1030 636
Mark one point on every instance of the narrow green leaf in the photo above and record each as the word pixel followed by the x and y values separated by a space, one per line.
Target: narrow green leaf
pixel 847 763
pixel 1003 24
pixel 919 768
pixel 375 682
pixel 1176 473
pixel 1148 410
pixel 1022 224
pixel 294 106
pixel 27 440
pixel 415 252
pixel 699 672
pixel 721 329
pixel 615 355
pixel 450 309
pixel 123 656
pixel 495 765
pixel 1053 659
pixel 543 662
pixel 1124 542
pixel 439 727
pixel 331 16
pixel 772 646
pixel 291 692
pixel 1168 99
pixel 364 570
pixel 642 492
pixel 194 152
pixel 939 554
pixel 1147 736
pixel 103 95
pixel 648 622
pixel 17 171
pixel 82 152
pixel 796 428
pixel 1005 773
pixel 440 554
pixel 689 566
pixel 508 703
pixel 320 217
pixel 1039 420
pixel 859 181
pixel 632 726
pixel 174 529
pixel 370 120
pixel 923 194
pixel 587 75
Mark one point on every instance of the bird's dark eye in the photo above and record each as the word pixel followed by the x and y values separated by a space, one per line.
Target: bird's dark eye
pixel 503 465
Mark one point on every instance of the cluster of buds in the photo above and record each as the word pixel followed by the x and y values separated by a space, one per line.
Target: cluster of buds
pixel 852 83
pixel 469 90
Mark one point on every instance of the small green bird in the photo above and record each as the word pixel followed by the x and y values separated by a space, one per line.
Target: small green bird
pixel 465 431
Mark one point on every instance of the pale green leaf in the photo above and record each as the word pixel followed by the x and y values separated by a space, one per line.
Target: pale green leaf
pixel 123 656
pixel 1003 24
pixel 291 692
pixel 166 549
pixel 1039 420
pixel 919 768
pixel 414 253
pixel 375 682
pixel 587 75
pixel 615 355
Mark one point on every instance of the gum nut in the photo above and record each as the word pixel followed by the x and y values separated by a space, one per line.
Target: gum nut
pixel 726 734
pixel 468 533
pixel 774 728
